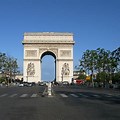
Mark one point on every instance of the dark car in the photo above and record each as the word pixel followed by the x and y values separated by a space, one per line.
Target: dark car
pixel 42 83
pixel 65 83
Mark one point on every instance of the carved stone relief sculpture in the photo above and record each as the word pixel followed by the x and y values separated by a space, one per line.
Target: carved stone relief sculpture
pixel 65 53
pixel 30 69
pixel 31 53
pixel 65 69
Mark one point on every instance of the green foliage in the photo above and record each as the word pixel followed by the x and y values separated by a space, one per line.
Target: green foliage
pixel 2 79
pixel 8 65
pixel 101 62
pixel 2 61
pixel 116 77
pixel 82 76
pixel 102 76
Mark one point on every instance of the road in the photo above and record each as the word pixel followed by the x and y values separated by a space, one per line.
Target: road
pixel 67 103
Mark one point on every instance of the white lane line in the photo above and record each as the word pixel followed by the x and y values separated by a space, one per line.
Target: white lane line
pixel 13 95
pixel 34 95
pixel 73 95
pixel 3 95
pixel 24 95
pixel 63 95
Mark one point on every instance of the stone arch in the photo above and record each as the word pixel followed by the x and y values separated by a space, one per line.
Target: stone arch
pixel 47 52
pixel 59 45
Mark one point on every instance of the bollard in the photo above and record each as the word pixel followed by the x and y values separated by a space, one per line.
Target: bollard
pixel 49 89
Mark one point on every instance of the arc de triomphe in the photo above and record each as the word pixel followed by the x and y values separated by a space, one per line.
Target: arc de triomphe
pixel 39 44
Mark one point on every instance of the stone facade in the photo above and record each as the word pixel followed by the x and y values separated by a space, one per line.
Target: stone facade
pixel 37 45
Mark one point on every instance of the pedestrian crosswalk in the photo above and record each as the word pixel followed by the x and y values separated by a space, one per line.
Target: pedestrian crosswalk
pixel 3 95
pixel 74 95
pixel 19 95
pixel 63 95
pixel 13 95
pixel 24 95
pixel 34 95
pixel 82 95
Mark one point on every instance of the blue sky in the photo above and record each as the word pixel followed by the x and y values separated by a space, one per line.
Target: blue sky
pixel 94 23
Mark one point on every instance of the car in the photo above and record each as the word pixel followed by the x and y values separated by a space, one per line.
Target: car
pixel 42 83
pixel 55 83
pixel 79 82
pixel 25 83
pixel 65 83
pixel 29 84
pixel 21 85
pixel 33 83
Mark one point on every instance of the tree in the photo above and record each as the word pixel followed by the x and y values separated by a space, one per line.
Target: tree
pixel 2 61
pixel 11 67
pixel 116 63
pixel 88 62
pixel 116 55
pixel 103 63
pixel 8 66
pixel 100 62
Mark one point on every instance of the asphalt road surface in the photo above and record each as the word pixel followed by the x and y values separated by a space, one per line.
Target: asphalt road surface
pixel 67 103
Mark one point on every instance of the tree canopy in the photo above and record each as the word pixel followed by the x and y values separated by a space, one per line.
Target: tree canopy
pixel 8 65
pixel 100 64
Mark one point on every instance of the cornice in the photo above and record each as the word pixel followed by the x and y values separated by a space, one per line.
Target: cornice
pixel 42 45
pixel 48 34
pixel 47 41
pixel 64 59
pixel 31 59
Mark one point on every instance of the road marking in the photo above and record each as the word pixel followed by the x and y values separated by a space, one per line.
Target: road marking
pixel 24 95
pixel 63 95
pixel 96 96
pixel 13 95
pixel 83 95
pixel 3 95
pixel 34 95
pixel 73 95
pixel 108 96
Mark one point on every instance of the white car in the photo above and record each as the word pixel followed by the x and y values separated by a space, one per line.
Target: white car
pixel 21 85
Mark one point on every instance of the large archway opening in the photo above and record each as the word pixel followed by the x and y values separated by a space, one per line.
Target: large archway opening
pixel 48 66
